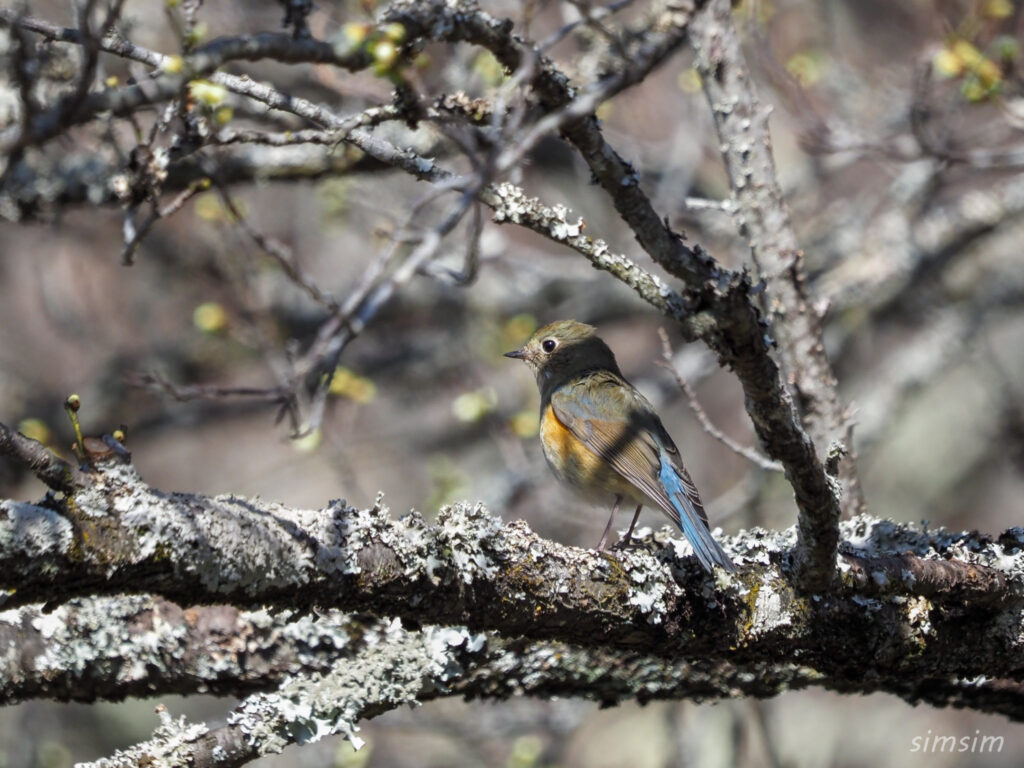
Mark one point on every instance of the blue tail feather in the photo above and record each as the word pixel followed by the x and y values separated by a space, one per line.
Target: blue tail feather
pixel 691 522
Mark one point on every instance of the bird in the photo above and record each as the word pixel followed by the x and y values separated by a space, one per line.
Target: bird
pixel 604 438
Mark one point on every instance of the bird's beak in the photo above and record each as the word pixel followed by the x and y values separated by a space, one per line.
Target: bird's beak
pixel 518 354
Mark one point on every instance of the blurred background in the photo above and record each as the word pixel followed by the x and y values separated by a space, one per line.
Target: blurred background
pixel 897 131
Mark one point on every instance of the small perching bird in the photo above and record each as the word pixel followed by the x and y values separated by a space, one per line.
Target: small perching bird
pixel 603 437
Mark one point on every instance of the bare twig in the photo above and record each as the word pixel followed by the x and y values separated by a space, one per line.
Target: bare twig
pixel 703 204
pixel 205 391
pixel 41 461
pixel 134 235
pixel 705 421
pixel 278 251
pixel 589 17
pixel 24 68
pixel 956 579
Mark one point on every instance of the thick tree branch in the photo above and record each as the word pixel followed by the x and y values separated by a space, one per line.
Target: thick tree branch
pixel 121 535
pixel 392 667
pixel 760 211
pixel 112 647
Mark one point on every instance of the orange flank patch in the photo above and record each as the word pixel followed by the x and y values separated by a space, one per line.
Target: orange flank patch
pixel 573 462
pixel 559 443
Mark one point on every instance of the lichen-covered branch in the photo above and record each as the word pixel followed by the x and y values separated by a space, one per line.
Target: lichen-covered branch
pixel 392 667
pixel 760 211
pixel 307 677
pixel 115 647
pixel 389 666
pixel 490 610
pixel 469 569
pixel 320 676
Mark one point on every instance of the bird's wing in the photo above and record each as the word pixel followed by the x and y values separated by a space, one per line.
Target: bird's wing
pixel 618 423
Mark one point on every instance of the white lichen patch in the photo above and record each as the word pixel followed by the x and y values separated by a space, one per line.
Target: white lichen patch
pixel 170 747
pixel 870 537
pixel 681 548
pixel 100 636
pixel 919 612
pixel 463 532
pixel 32 530
pixel 309 635
pixel 356 529
pixel 394 668
pixel 874 537
pixel 443 645
pixel 226 542
pixel 1007 562
pixel 651 582
pixel 414 544
pixel 343 532
pixel 770 611
pixel 48 624
pixel 117 487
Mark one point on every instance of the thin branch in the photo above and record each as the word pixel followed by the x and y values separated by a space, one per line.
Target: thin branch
pixel 280 253
pixel 176 73
pixel 590 16
pixel 134 235
pixel 41 461
pixel 391 669
pixel 24 66
pixel 749 454
pixel 953 579
pixel 205 391
pixel 703 204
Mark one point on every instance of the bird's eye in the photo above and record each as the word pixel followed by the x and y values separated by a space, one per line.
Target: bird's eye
pixel 548 345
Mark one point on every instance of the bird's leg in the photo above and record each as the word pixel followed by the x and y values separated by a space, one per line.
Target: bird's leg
pixel 611 519
pixel 632 525
pixel 624 541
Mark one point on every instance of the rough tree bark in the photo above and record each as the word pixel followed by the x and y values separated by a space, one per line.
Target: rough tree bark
pixel 505 612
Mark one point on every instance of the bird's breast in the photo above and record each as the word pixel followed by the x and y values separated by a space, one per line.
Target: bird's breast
pixel 574 463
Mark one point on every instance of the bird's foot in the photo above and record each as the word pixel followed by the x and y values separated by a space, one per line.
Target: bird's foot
pixel 625 543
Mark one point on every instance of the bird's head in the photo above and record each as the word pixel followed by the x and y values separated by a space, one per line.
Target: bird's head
pixel 563 349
